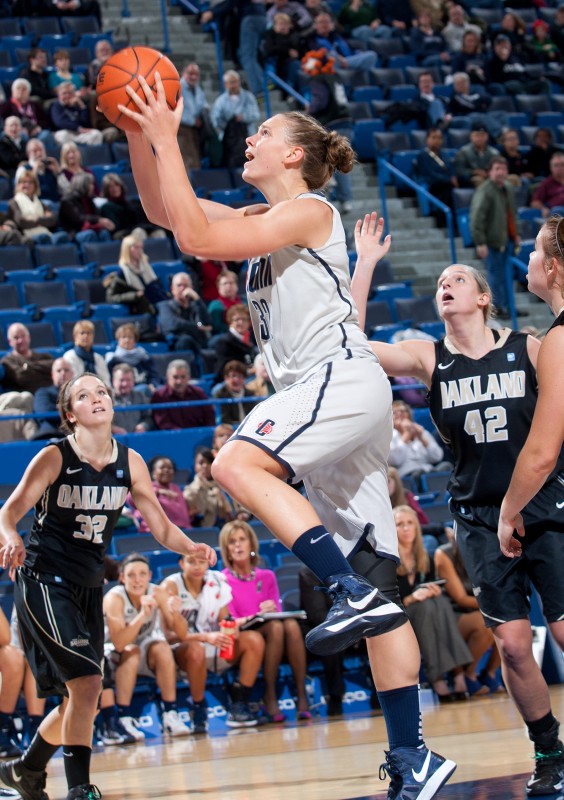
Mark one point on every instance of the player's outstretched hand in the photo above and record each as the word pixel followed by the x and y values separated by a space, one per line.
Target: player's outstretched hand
pixel 153 115
pixel 368 239
pixel 201 549
pixel 12 554
pixel 509 545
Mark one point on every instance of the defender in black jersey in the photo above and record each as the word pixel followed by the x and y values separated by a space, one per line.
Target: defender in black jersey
pixel 482 393
pixel 78 488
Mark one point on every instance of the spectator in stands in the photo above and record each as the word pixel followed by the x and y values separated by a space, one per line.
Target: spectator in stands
pixel 71 165
pixel 472 161
pixel 427 109
pixel 124 213
pixel 252 25
pixel 25 370
pixel 444 651
pixel 127 394
pixel 473 106
pixel 136 643
pixel 179 389
pixel 46 168
pixel 494 223
pixel 316 7
pixel 184 316
pixel 12 146
pixel 200 602
pixel 517 162
pixel 168 493
pixel 17 405
pixel 102 51
pixel 62 72
pixel 281 48
pixel 233 388
pixel 208 272
pixel 261 385
pixel 237 343
pixel 9 236
pixel 413 450
pixel 359 20
pixel 541 152
pixel 228 290
pixel 435 168
pixel 457 25
pixel 222 433
pixel 195 125
pixel 83 357
pixel 207 502
pixel 36 73
pixel 119 291
pixel 29 112
pixel 79 216
pixel 35 221
pixel 137 271
pixel 550 193
pixel 316 604
pixel 540 47
pixel 400 496
pixel 507 74
pixel 128 351
pixel 557 29
pixel 255 590
pixel 480 640
pixel 427 43
pixel 46 397
pixel 234 114
pixel 71 118
pixel 325 36
pixel 397 14
pixel 17 676
pixel 471 58
pixel 79 8
pixel 300 17
pixel 513 26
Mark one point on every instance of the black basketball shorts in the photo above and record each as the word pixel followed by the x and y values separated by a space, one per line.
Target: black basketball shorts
pixel 62 629
pixel 501 585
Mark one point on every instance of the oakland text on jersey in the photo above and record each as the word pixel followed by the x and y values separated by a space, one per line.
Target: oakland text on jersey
pixel 91 498
pixel 480 388
pixel 260 274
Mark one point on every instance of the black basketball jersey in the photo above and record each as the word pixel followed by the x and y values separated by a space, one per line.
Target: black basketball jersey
pixel 75 517
pixel 558 321
pixel 483 409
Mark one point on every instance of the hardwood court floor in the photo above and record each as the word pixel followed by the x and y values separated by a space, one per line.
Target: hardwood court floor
pixel 320 760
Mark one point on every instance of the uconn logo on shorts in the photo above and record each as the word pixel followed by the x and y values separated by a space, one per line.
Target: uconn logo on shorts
pixel 265 427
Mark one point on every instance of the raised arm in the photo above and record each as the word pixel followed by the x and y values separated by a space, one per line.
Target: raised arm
pixel 412 359
pixel 539 455
pixel 152 512
pixel 40 474
pixel 233 237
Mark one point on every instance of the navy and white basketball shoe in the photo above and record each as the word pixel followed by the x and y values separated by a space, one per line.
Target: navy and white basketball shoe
pixel 358 611
pixel 416 773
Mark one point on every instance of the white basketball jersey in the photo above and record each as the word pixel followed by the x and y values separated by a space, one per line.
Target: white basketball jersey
pixel 150 628
pixel 302 309
pixel 202 612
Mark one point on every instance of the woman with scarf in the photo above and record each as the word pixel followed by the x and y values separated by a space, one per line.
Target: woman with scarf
pixel 34 220
pixel 138 272
pixel 82 356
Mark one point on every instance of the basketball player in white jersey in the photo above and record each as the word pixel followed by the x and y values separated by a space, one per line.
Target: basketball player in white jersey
pixel 330 422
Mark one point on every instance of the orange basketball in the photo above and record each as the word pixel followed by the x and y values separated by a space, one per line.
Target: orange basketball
pixel 123 69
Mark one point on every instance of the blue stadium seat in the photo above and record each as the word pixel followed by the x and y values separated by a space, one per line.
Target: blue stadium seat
pixel 55 41
pixel 435 481
pixel 5 58
pixel 362 137
pixel 94 154
pixel 10 27
pixel 159 249
pixel 41 26
pixel 120 151
pixel 16 257
pixel 19 47
pixel 386 77
pixel 77 26
pixel 402 93
pixel 532 103
pixel 43 334
pixel 416 309
pixel 53 300
pixel 6 190
pixel 367 94
pixel 101 253
pixel 57 255
pixel 390 142
pixel 65 327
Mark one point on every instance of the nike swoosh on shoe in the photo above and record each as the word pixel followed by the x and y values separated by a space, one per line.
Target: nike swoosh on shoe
pixel 383 611
pixel 422 774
